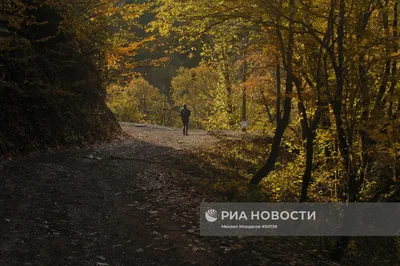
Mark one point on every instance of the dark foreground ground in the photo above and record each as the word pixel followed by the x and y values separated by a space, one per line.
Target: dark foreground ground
pixel 134 202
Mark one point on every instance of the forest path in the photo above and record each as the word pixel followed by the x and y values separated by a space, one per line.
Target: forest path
pixel 129 203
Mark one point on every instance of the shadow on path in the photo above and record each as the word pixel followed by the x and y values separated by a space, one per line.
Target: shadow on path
pixel 132 203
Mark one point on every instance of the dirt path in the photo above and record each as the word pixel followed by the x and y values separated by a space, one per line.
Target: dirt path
pixel 129 203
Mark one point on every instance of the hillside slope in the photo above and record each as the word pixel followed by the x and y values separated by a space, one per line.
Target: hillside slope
pixel 51 90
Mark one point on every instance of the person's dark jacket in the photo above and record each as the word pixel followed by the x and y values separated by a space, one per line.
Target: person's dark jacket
pixel 185 114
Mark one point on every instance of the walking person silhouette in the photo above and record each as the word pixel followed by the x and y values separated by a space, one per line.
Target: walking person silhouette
pixel 185 114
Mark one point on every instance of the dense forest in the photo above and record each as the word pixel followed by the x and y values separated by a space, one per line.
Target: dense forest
pixel 320 76
pixel 318 80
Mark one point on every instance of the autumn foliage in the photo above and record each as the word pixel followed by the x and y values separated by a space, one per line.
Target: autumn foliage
pixel 318 80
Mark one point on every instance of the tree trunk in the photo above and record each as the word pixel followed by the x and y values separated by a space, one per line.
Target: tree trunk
pixel 337 106
pixel 394 63
pixel 343 242
pixel 278 90
pixel 362 73
pixel 309 161
pixel 282 122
